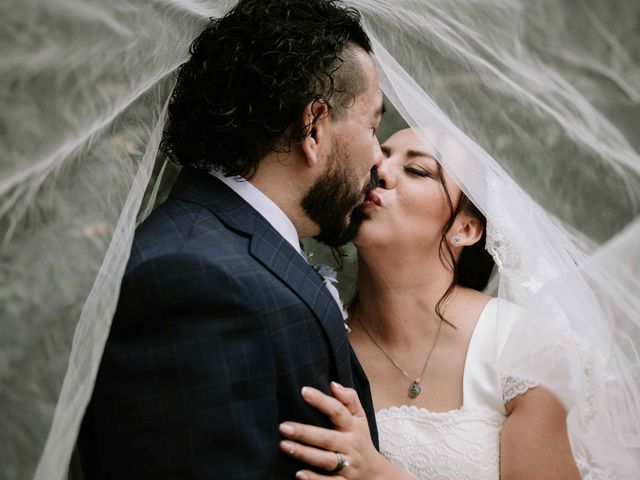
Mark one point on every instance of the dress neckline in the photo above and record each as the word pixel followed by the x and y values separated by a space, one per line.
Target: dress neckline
pixel 454 415
pixel 465 369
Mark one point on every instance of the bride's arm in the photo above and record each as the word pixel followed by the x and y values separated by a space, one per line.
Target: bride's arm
pixel 318 446
pixel 534 442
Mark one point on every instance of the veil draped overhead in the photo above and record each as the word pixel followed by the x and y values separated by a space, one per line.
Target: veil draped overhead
pixel 532 107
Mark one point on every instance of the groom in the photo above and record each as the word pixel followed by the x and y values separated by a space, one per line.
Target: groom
pixel 221 320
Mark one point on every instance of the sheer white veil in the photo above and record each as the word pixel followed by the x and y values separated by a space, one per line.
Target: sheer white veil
pixel 532 107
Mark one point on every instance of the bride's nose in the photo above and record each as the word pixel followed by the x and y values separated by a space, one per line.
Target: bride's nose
pixel 386 177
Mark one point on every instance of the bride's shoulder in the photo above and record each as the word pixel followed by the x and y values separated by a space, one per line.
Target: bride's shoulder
pixel 471 296
pixel 479 304
pixel 494 312
pixel 473 301
pixel 471 307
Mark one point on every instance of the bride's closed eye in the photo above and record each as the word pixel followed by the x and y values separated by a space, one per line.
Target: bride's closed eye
pixel 418 171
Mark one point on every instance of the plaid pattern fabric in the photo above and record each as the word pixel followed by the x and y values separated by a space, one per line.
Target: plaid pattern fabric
pixel 219 324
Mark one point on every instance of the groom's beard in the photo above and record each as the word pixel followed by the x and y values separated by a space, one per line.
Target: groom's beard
pixel 334 203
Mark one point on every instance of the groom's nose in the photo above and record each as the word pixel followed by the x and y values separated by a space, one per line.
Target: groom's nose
pixel 378 155
pixel 373 179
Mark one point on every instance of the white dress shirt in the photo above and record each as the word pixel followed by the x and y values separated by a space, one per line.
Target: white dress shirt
pixel 264 206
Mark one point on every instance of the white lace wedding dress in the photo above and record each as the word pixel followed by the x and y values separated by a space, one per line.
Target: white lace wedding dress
pixel 461 444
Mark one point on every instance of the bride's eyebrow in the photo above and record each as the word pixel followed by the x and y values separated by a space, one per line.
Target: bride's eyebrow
pixel 386 150
pixel 420 153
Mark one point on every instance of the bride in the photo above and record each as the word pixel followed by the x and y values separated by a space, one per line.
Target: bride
pixel 428 340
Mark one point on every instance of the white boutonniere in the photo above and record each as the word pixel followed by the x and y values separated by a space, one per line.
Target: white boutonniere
pixel 330 277
pixel 326 272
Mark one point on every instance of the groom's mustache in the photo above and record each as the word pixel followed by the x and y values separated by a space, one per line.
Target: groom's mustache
pixel 373 180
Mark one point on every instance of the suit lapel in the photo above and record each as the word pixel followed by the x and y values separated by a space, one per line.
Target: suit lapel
pixel 274 252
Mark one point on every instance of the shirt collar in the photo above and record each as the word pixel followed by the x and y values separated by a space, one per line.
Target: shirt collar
pixel 263 205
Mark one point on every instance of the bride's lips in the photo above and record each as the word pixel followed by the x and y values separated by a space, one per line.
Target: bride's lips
pixel 371 200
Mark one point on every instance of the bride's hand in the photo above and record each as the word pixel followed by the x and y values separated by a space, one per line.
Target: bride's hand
pixel 319 447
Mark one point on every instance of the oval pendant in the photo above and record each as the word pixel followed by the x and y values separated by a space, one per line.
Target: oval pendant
pixel 414 389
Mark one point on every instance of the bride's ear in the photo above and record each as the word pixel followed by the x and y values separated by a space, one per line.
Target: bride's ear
pixel 465 231
pixel 315 119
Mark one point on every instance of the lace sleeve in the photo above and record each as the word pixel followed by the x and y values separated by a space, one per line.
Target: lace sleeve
pixel 512 387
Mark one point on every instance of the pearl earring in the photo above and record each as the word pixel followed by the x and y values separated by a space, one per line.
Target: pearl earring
pixel 457 239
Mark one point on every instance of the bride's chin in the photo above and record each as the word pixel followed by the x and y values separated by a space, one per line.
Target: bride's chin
pixel 364 237
pixel 359 242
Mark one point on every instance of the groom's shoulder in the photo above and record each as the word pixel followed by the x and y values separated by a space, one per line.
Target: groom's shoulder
pixel 179 217
pixel 181 226
pixel 184 243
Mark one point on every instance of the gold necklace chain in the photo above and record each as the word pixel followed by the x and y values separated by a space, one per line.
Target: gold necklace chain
pixel 415 387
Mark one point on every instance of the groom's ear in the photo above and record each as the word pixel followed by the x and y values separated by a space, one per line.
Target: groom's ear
pixel 466 231
pixel 315 119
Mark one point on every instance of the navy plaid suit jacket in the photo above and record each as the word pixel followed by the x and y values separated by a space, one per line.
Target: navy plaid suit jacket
pixel 219 324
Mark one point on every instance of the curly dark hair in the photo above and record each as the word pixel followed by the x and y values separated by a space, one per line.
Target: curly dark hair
pixel 251 74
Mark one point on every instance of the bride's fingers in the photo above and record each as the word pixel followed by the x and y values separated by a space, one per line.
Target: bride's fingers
pixel 311 435
pixel 309 475
pixel 315 457
pixel 349 399
pixel 339 415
